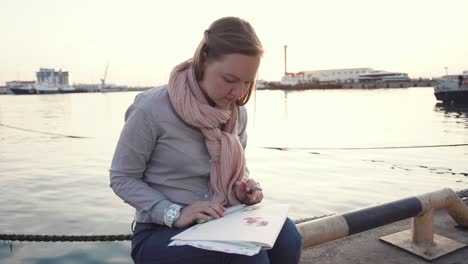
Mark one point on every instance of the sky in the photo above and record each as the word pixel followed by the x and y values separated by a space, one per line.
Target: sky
pixel 142 40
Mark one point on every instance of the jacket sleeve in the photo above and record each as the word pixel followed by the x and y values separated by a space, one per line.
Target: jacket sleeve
pixel 243 135
pixel 136 143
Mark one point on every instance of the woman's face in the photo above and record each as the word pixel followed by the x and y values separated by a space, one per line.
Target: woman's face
pixel 226 80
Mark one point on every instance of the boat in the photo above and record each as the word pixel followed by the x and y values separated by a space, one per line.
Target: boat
pixel 452 89
pixel 48 81
pixel 109 88
pixel 21 87
pixel 384 76
pixel 41 89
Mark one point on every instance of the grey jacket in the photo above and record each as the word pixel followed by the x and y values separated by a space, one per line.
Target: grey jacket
pixel 160 159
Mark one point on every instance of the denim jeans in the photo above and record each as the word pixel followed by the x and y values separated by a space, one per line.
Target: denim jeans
pixel 150 245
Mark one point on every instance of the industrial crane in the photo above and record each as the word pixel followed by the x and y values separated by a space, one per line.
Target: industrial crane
pixel 103 80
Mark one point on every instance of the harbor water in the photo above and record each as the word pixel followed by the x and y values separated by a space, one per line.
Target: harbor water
pixel 321 151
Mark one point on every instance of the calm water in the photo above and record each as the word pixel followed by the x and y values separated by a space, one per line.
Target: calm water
pixel 52 184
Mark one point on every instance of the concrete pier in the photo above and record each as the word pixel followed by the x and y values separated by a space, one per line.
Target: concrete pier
pixel 366 247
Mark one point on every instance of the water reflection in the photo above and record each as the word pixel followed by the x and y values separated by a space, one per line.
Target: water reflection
pixel 456 113
pixel 460 110
pixel 285 104
pixel 285 94
pixel 66 252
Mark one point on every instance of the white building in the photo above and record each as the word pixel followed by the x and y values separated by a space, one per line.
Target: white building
pixel 52 78
pixel 333 75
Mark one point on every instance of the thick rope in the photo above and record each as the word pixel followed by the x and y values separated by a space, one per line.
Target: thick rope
pixel 40 132
pixel 364 148
pixel 92 238
pixel 64 238
pixel 95 238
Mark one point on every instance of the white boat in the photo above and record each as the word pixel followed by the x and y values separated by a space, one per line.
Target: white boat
pixel 452 89
pixel 46 89
pixel 48 81
pixel 384 76
pixel 67 89
pixel 41 89
pixel 109 88
pixel 21 87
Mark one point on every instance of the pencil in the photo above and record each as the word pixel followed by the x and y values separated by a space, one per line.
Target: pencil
pixel 229 210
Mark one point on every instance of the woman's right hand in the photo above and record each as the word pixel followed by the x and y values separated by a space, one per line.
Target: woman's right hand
pixel 199 210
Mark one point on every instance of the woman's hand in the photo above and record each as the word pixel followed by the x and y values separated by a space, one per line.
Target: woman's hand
pixel 248 192
pixel 199 210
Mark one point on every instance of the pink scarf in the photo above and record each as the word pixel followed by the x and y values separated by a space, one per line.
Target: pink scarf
pixel 227 154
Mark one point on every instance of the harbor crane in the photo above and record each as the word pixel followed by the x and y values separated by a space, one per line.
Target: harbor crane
pixel 103 80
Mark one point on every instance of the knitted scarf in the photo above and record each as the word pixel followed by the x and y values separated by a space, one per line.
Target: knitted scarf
pixel 224 147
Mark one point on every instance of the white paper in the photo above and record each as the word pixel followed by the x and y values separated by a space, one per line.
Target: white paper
pixel 254 226
pixel 243 249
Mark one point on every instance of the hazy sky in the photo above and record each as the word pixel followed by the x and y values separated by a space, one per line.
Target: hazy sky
pixel 143 40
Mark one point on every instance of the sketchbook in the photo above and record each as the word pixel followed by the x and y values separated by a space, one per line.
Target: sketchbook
pixel 246 231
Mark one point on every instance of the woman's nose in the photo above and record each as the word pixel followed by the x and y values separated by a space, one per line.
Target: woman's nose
pixel 236 91
pixel 240 89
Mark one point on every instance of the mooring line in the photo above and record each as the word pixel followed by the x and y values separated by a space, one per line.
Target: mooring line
pixel 93 238
pixel 40 132
pixel 364 148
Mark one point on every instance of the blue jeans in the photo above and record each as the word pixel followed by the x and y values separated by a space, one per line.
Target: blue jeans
pixel 150 242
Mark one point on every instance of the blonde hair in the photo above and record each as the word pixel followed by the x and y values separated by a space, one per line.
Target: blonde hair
pixel 225 36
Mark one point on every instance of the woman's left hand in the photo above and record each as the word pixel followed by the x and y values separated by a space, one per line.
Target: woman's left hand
pixel 248 192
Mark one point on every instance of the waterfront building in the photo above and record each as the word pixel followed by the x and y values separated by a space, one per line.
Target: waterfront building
pixel 52 78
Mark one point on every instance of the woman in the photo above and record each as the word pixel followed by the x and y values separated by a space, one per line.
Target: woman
pixel 180 156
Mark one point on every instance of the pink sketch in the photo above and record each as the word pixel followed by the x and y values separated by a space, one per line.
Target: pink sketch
pixel 257 221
